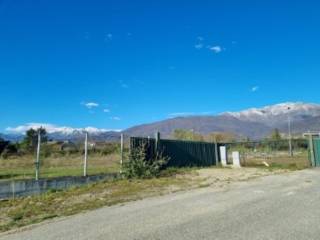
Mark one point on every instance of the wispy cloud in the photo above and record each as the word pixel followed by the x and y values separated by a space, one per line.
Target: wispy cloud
pixel 181 114
pixel 106 110
pixel 198 46
pixel 90 105
pixel 255 88
pixel 123 84
pixel 216 49
pixel 115 118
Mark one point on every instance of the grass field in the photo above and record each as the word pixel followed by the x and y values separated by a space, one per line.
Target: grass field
pixel 57 165
pixel 19 167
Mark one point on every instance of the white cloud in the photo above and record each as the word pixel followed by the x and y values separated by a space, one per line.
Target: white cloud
pixel 115 118
pixel 216 49
pixel 51 128
pixel 106 110
pixel 255 88
pixel 91 105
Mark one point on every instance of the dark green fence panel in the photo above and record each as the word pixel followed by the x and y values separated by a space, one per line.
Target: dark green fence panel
pixel 187 153
pixel 180 153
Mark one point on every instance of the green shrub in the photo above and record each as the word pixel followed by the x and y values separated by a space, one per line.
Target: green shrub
pixel 139 166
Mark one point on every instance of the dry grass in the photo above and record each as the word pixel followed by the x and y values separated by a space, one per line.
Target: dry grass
pixel 21 212
pixel 56 166
pixel 25 211
pixel 296 162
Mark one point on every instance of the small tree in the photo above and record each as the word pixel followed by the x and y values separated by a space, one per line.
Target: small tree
pixel 30 141
pixel 275 135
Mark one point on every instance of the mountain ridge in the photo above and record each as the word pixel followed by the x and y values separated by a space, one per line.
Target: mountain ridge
pixel 255 123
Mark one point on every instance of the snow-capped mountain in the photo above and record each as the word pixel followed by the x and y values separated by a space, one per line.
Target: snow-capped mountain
pixel 255 123
pixel 275 114
pixel 51 128
pixel 62 133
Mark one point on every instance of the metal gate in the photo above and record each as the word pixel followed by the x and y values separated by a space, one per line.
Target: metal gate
pixel 316 152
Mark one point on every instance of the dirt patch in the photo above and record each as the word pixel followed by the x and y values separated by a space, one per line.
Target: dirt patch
pixel 219 177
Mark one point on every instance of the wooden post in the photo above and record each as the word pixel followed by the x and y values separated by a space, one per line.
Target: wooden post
pixel 85 165
pixel 121 152
pixel 37 163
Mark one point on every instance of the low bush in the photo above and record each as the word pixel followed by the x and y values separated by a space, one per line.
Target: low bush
pixel 139 166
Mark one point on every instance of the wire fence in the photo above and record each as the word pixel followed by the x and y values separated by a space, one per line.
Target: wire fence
pixel 275 153
pixel 67 157
pixel 62 158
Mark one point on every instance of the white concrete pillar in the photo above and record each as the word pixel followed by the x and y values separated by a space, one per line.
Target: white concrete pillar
pixel 223 156
pixel 236 159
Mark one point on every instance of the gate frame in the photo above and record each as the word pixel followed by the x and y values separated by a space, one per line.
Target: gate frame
pixel 311 136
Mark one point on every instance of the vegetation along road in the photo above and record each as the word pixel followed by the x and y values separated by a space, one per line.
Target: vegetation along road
pixel 281 206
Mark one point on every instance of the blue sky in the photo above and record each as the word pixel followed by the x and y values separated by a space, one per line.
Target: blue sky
pixel 114 64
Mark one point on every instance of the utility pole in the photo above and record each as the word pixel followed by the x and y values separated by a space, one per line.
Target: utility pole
pixel 37 163
pixel 121 149
pixel 290 136
pixel 85 165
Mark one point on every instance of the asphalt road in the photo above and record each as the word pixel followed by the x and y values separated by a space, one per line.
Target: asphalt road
pixel 274 207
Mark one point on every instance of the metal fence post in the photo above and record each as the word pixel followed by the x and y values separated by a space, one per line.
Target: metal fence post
pixel 121 149
pixel 157 138
pixel 37 163
pixel 216 150
pixel 85 165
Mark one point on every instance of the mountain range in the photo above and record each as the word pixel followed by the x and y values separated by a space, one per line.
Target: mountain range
pixel 254 123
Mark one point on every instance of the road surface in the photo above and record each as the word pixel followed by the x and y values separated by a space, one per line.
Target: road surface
pixel 283 206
